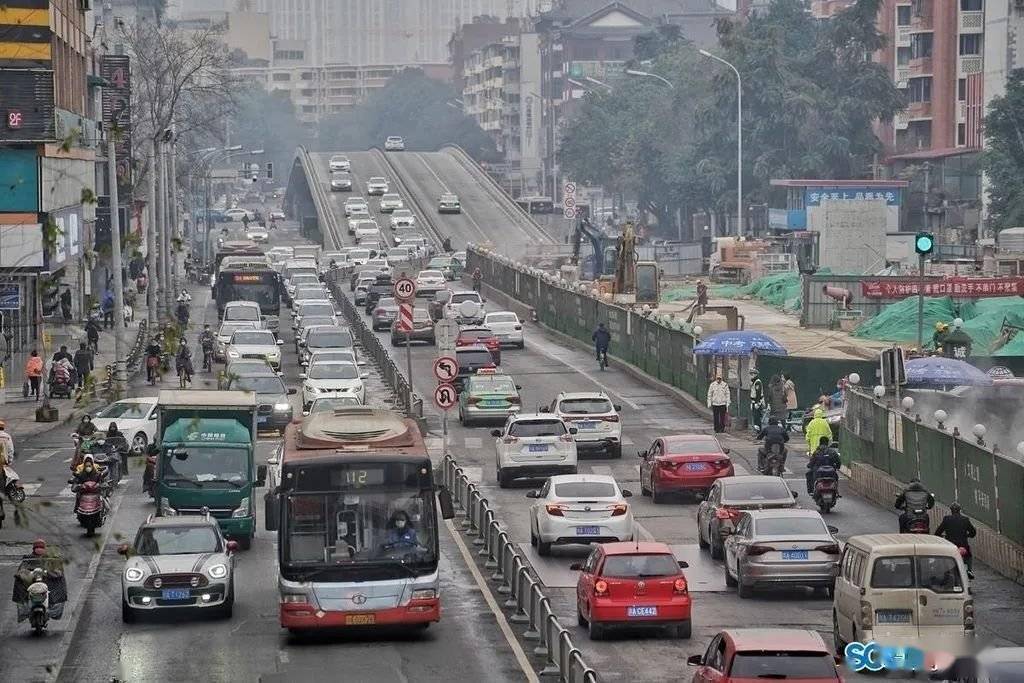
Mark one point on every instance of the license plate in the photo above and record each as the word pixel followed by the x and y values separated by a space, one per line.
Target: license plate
pixel 587 425
pixel 892 616
pixel 176 594
pixel 695 466
pixel 360 619
pixel 794 554
pixel 538 448
pixel 491 404
pixel 588 530
pixel 641 611
pixel 261 420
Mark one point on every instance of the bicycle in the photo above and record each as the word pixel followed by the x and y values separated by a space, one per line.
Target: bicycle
pixel 184 378
pixel 602 358
pixel 207 359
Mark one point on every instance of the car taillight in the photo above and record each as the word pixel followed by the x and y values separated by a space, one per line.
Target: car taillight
pixel 759 550
pixel 513 399
pixel 829 549
pixel 600 587
pixel 667 464
pixel 725 462
pixel 517 327
pixel 726 513
pixel 610 418
pixel 509 439
pixel 619 509
pixel 679 586
pixel 555 510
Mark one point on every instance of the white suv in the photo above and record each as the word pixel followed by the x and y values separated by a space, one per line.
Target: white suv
pixel 596 419
pixel 533 445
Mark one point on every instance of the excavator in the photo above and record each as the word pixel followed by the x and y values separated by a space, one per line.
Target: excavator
pixel 633 281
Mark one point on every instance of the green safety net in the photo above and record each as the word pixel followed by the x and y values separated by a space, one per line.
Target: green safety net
pixel 781 290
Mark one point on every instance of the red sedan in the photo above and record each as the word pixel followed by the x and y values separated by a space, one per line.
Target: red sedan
pixel 683 463
pixel 747 655
pixel 632 584
pixel 480 335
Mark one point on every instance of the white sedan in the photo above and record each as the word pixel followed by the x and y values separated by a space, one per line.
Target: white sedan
pixel 135 418
pixel 255 344
pixel 356 205
pixel 579 509
pixel 533 445
pixel 430 279
pixel 237 214
pixel 332 378
pixel 257 233
pixel 377 185
pixel 391 202
pixel 507 327
pixel 402 217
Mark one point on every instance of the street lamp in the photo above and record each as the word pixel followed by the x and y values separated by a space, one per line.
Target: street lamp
pixel 648 74
pixel 739 139
pixel 597 82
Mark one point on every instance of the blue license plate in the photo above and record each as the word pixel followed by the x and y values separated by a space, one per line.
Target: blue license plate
pixel 538 448
pixel 794 554
pixel 695 466
pixel 497 403
pixel 176 594
pixel 892 616
pixel 261 420
pixel 641 611
pixel 588 530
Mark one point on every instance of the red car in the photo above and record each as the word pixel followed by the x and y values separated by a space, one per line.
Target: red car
pixel 750 655
pixel 632 584
pixel 480 335
pixel 683 463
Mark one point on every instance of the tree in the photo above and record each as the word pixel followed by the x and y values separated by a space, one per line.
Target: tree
pixel 420 109
pixel 1003 159
pixel 267 121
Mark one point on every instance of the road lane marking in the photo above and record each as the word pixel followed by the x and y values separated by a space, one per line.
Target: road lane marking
pixel 601 469
pixel 42 456
pixel 447 191
pixel 499 615
pixel 30 489
pixel 66 492
pixel 540 346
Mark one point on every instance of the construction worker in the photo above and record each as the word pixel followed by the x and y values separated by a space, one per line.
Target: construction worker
pixel 939 337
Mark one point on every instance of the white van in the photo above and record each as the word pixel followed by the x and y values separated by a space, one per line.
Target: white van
pixel 902 589
pixel 242 311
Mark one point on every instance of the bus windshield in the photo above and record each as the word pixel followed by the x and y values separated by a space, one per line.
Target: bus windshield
pixel 260 286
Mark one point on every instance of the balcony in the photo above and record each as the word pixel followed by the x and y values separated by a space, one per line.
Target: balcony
pixel 961 112
pixel 969 64
pixel 922 21
pixel 901 76
pixel 902 36
pixel 919 67
pixel 919 110
pixel 901 121
pixel 971 22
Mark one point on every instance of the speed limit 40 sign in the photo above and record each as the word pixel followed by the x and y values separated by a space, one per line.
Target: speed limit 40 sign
pixel 445 396
pixel 405 289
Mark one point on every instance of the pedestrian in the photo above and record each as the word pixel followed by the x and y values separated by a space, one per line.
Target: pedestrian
pixel 958 530
pixel 702 297
pixel 718 401
pixel 83 361
pixel 7 452
pixel 92 333
pixel 62 353
pixel 791 402
pixel 34 373
pixel 777 398
pixel 757 399
pixel 108 308
pixel 65 304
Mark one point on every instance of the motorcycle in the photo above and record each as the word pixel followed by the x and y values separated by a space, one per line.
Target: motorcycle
pixel 826 488
pixel 107 457
pixel 40 598
pixel 12 485
pixel 917 521
pixel 39 605
pixel 90 506
pixel 773 462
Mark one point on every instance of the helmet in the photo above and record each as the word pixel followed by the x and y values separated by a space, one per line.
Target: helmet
pixel 753 372
pixel 818 412
pixel 3 425
pixel 938 326
pixel 955 507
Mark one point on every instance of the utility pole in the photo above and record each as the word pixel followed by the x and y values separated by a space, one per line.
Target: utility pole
pixel 120 378
pixel 165 240
pixel 175 237
pixel 151 245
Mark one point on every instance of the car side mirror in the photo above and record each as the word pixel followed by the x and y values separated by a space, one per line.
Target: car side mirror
pixel 292 391
pixel 123 549
pixel 641 454
pixel 280 342
pixel 617 407
pixel 573 430
pixel 726 451
pixel 533 494
pixel 496 433
pixel 695 660
pixel 683 564
pixel 302 375
pixel 835 570
pixel 795 494
pixel 544 409
pixel 832 529
pixel 626 493
pixel 518 388
pixel 305 413
pixel 232 547
pixel 364 375
pixel 444 501
pixel 576 566
pixel 261 475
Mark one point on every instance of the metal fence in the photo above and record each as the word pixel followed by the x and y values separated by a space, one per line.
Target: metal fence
pixel 525 599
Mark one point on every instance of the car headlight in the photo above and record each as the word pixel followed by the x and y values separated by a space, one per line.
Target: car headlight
pixel 232 353
pixel 165 508
pixel 133 574
pixel 424 594
pixel 218 571
pixel 243 508
pixel 282 406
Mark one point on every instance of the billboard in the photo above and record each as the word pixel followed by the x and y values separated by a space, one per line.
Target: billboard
pixel 27 106
pixel 117 114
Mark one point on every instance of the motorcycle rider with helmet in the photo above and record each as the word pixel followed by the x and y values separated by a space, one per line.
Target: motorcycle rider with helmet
pixel 825 456
pixel 815 429
pixel 771 433
pixel 206 342
pixel 153 353
pixel 914 497
pixel 958 530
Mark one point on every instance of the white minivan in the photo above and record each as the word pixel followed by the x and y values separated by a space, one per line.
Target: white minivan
pixel 902 590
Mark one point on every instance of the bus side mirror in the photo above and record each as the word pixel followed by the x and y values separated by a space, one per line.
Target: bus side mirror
pixel 261 475
pixel 444 499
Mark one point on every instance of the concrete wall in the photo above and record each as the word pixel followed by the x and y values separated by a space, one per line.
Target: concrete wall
pixel 852 233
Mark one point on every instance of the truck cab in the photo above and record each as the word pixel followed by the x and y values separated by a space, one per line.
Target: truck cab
pixel 207 443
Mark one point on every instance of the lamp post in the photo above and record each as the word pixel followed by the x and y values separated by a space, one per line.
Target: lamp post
pixel 739 139
pixel 648 74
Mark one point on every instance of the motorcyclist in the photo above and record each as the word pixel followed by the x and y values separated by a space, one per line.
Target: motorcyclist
pixel 817 428
pixel 958 530
pixel 7 453
pixel 88 470
pixel 86 426
pixel 602 338
pixel 772 433
pixel 153 353
pixel 117 440
pixel 446 244
pixel 184 297
pixel 206 342
pixel 181 313
pixel 826 455
pixel 477 279
pixel 914 497
pixel 184 360
pixel 50 560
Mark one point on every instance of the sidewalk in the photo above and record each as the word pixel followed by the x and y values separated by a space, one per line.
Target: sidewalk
pixel 20 413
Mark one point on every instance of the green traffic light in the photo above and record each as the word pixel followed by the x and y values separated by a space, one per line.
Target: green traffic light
pixel 924 243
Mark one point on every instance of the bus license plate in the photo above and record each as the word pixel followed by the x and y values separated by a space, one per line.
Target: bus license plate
pixel 360 619
pixel 892 616
pixel 588 530
pixel 176 594
pixel 794 554
pixel 538 447
pixel 641 611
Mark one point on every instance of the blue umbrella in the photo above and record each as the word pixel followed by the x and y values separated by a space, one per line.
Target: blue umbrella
pixel 739 343
pixel 939 371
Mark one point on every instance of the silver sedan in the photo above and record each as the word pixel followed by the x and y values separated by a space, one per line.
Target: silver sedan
pixel 781 547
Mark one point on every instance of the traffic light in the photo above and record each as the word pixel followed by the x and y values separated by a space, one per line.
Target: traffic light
pixel 49 296
pixel 924 243
pixel 270 170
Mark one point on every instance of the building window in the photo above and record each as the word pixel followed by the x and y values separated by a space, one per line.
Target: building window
pixel 961 134
pixel 972 5
pixel 970 43
pixel 307 75
pixel 920 89
pixel 902 56
pixel 921 45
pixel 280 78
pixel 961 90
pixel 903 15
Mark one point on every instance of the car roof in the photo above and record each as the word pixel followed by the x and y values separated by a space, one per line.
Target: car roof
pixel 570 395
pixel 471 347
pixel 601 478
pixel 548 417
pixel 751 479
pixel 180 520
pixel 871 542
pixel 636 548
pixel 138 399
pixel 774 639
pixel 1002 654
pixel 784 513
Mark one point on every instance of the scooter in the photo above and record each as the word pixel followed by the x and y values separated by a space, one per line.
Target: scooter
pixel 826 488
pixel 917 522
pixel 39 604
pixel 90 506
pixel 774 461
pixel 106 457
pixel 12 487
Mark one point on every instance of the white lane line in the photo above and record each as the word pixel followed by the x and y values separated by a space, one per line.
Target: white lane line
pixel 30 489
pixel 42 456
pixel 441 183
pixel 66 492
pixel 499 616
pixel 603 470
pixel 740 470
pixel 540 346
pixel 626 441
pixel 473 442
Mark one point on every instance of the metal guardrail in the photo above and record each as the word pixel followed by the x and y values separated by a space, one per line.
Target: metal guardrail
pixel 524 597
pixel 132 362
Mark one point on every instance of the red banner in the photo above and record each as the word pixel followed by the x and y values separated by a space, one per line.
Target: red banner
pixel 963 287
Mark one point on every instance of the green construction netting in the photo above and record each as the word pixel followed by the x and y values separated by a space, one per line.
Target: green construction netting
pixel 782 290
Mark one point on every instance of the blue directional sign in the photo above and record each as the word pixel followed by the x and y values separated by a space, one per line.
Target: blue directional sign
pixel 10 296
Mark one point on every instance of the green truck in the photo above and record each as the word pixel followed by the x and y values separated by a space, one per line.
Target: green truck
pixel 207 458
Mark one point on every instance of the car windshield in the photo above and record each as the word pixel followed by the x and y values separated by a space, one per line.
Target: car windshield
pixel 358 254
pixel 389 197
pixel 177 540
pixel 261 385
pixel 325 339
pixel 431 275
pixel 502 318
pixel 326 310
pixel 640 566
pixel 790 526
pixel 472 358
pixel 303 279
pixel 387 302
pixel 340 175
pixel 420 315
pixel 254 338
pixel 309 293
pixel 476 334
pixel 313 320
pixel 586 406
pixel 228 330
pixel 242 313
pixel 347 356
pixel 467 296
pixel 329 405
pixel 333 371
pixel 531 428
pixel 783 665
pixel 377 179
pixel 1004 672
pixel 126 410
pixel 692 446
pixel 585 489
pixel 740 491
pixel 402 213
pixel 207 466
pixel 493 384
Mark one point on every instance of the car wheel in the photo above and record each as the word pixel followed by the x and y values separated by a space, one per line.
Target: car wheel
pixel 717 551
pixel 595 630
pixel 683 630
pixel 701 543
pixel 837 639
pixel 533 537
pixel 729 581
pixel 615 451
pixel 503 479
pixel 522 345
pixel 244 542
pixel 644 491
pixel 128 615
pixel 580 619
pixel 743 590
pixel 656 498
pixel 228 607
pixel 543 548
pixel 139 443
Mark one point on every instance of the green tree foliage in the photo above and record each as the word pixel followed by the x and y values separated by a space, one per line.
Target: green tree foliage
pixel 1004 154
pixel 810 99
pixel 268 121
pixel 420 109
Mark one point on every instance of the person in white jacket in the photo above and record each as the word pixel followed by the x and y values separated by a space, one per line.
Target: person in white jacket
pixel 718 401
